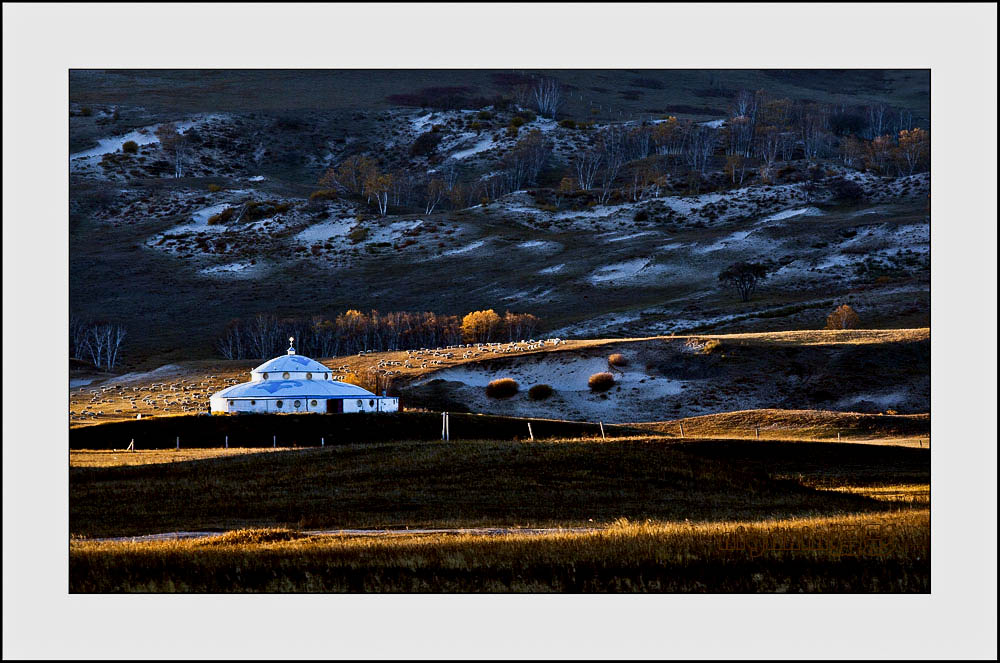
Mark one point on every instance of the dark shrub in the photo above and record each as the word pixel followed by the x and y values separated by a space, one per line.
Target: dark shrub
pixel 255 211
pixel 539 392
pixel 844 124
pixel 225 216
pixel 601 382
pixel 846 190
pixel 640 216
pixel 502 388
pixel 425 143
pixel 130 147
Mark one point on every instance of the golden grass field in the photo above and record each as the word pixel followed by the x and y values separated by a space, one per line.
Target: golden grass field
pixel 663 515
pixel 872 553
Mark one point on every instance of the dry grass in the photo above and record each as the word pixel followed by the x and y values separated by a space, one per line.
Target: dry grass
pixel 502 388
pixel 106 458
pixel 601 382
pixel 802 425
pixel 872 553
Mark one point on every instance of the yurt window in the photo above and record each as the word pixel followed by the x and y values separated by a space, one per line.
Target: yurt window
pixel 253 402
pixel 285 375
pixel 371 403
pixel 298 403
pixel 313 403
pixel 264 375
pixel 232 403
pixel 360 403
pixel 279 403
pixel 309 376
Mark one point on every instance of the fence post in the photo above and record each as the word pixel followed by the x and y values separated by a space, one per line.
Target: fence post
pixel 274 442
pixel 227 441
pixel 682 428
pixel 131 445
pixel 322 441
pixel 530 434
pixel 602 430
pixel 838 436
pixel 178 443
pixel 756 432
pixel 444 417
pixel 447 426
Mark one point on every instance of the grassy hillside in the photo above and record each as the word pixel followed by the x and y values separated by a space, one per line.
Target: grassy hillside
pixel 800 425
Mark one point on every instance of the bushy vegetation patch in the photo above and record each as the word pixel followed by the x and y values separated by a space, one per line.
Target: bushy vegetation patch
pixel 502 388
pixel 599 382
pixel 618 359
pixel 539 392
pixel 426 143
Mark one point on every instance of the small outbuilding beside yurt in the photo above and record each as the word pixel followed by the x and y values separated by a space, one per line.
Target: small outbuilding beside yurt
pixel 294 384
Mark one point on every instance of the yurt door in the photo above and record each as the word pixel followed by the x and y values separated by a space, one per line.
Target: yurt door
pixel 335 406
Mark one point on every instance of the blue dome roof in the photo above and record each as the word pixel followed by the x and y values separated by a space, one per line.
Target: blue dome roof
pixel 294 389
pixel 291 363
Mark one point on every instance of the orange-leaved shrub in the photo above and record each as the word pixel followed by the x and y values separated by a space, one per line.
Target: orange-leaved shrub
pixel 843 318
pixel 601 382
pixel 618 359
pixel 502 388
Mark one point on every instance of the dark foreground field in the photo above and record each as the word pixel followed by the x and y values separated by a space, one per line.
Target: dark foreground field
pixel 664 516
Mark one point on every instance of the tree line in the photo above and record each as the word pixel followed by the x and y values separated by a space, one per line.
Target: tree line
pixel 632 161
pixel 264 335
pixel 96 342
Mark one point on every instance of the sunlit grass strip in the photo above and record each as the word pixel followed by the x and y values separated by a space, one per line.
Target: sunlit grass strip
pixel 883 552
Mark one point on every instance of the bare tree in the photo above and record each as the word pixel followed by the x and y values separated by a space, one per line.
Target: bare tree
pixel 547 94
pixel 743 277
pixel 813 130
pixel 436 192
pixel 102 342
pixel 587 165
pixel 877 115
pixel 173 144
pixel 523 163
pixel 264 336
pixel 699 146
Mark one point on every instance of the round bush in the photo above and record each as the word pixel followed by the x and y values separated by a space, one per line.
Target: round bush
pixel 618 360
pixel 130 147
pixel 502 388
pixel 539 392
pixel 601 381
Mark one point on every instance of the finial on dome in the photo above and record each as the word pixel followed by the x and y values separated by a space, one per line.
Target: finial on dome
pixel 291 340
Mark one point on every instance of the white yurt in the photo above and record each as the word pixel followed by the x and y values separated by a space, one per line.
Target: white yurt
pixel 294 383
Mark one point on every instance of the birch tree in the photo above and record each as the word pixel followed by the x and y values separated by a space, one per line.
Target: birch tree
pixel 547 95
pixel 587 165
